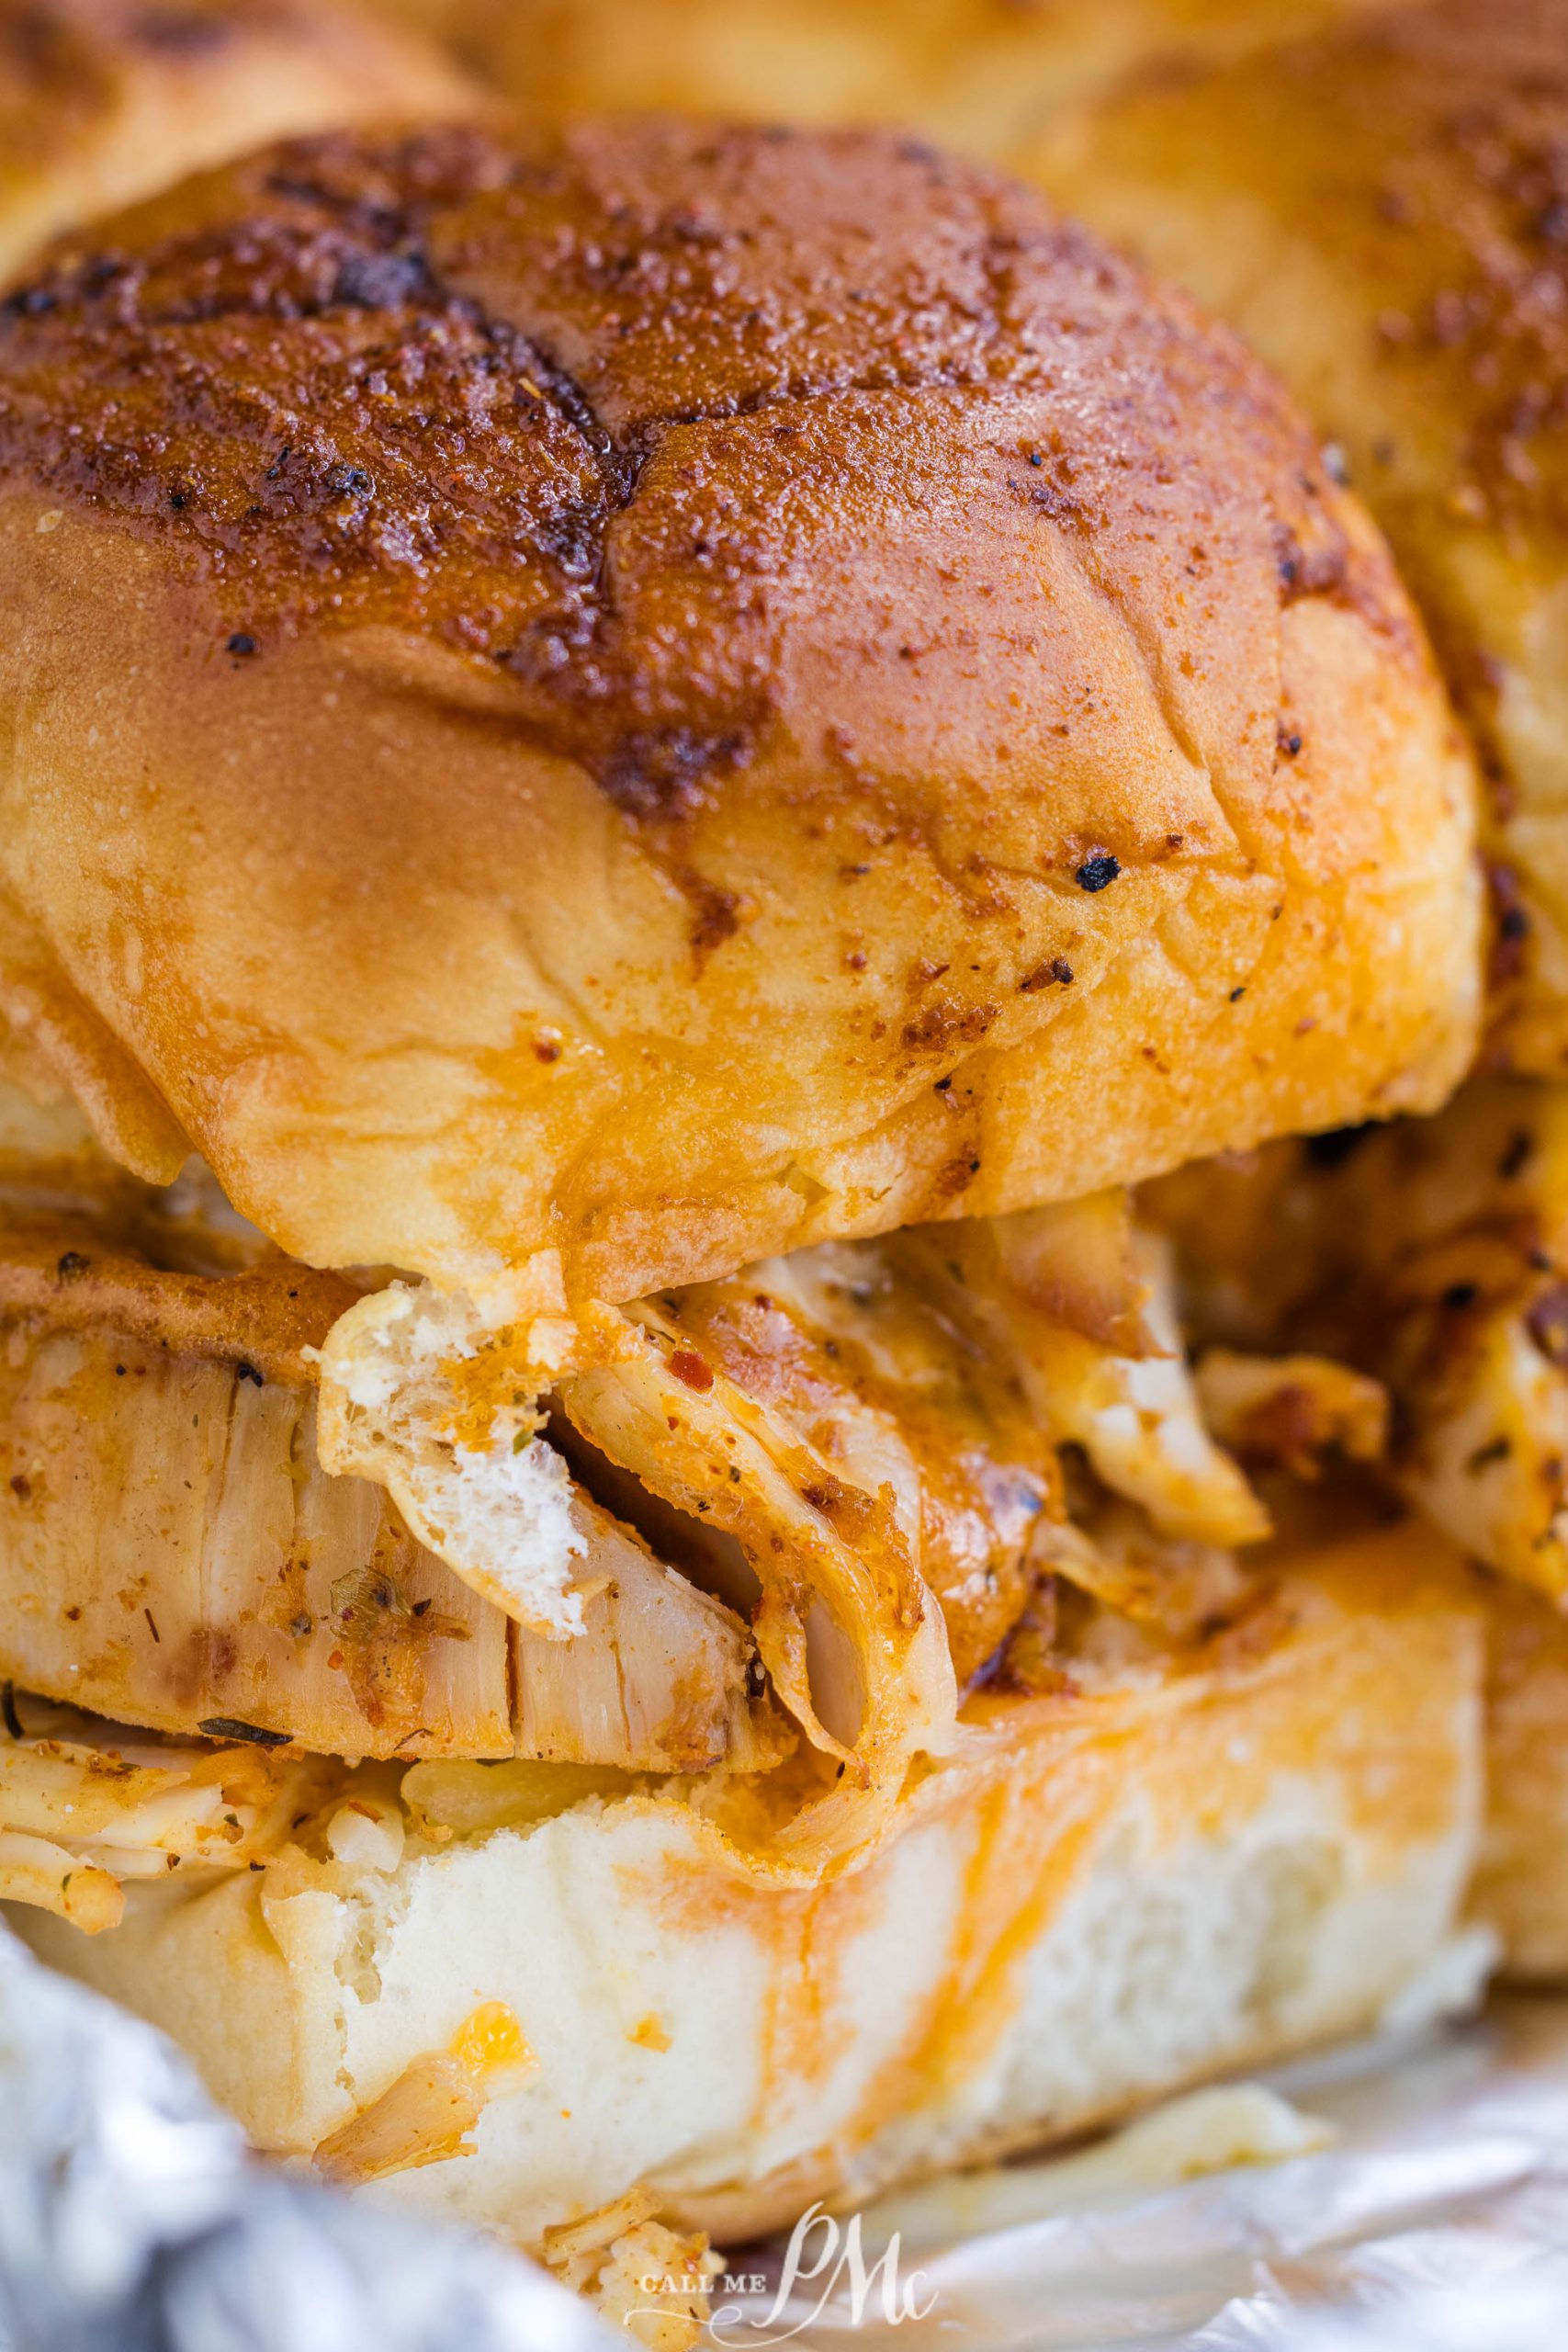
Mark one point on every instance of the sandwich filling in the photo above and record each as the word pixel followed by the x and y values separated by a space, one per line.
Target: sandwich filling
pixel 762 1538
pixel 1432 1255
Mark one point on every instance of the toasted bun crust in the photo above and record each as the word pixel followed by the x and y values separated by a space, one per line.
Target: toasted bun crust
pixel 103 101
pixel 1104 1895
pixel 1381 210
pixel 693 691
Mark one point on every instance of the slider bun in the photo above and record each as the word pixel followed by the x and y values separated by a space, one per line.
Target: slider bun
pixel 664 693
pixel 102 101
pixel 1105 1894
pixel 1381 210
pixel 1521 1887
pixel 977 72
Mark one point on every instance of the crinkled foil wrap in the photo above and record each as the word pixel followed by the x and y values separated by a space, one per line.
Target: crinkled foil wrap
pixel 133 2220
pixel 1435 2219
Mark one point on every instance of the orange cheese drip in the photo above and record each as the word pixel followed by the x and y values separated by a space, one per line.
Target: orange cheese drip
pixel 489 2039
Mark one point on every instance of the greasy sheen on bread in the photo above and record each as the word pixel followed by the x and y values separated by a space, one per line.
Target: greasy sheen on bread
pixel 1383 209
pixel 660 693
pixel 103 101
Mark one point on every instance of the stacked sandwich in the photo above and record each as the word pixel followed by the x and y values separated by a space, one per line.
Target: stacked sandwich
pixel 644 767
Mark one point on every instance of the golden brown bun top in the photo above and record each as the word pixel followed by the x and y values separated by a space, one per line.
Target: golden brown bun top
pixel 103 101
pixel 666 693
pixel 980 73
pixel 1383 209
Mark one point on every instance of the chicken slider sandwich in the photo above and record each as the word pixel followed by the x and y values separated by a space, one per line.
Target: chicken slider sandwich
pixel 640 768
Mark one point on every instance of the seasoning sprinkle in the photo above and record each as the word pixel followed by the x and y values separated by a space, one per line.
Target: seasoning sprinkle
pixel 226 1728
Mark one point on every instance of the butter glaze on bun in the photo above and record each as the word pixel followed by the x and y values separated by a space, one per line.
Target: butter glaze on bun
pixel 665 694
pixel 103 101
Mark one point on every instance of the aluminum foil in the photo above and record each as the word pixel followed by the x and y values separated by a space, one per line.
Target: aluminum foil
pixel 132 2218
pixel 1428 2214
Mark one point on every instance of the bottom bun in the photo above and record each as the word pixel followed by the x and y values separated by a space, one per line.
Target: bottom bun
pixel 1179 1865
pixel 1521 1886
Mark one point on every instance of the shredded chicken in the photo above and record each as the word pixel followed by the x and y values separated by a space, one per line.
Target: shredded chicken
pixel 427 2115
pixel 1432 1255
pixel 172 1552
pixel 846 1628
pixel 84 1808
pixel 424 2118
pixel 654 2282
pixel 1290 1411
pixel 662 1678
pixel 869 1432
pixel 768 1526
pixel 1478 1359
pixel 1171 1584
pixel 1137 1416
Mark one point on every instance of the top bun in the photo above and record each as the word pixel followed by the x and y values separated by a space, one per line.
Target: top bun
pixel 1383 211
pixel 663 694
pixel 103 101
pixel 982 73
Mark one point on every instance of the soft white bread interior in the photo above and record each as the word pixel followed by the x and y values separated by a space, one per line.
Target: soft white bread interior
pixel 522 2009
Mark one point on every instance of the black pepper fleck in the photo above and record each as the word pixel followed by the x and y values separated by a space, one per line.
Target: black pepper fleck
pixel 226 1728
